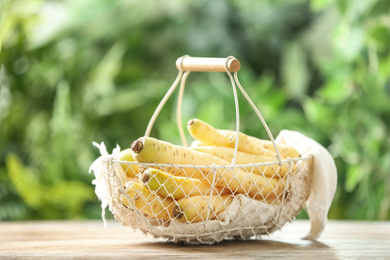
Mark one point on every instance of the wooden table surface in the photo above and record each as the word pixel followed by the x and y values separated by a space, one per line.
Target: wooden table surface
pixel 90 240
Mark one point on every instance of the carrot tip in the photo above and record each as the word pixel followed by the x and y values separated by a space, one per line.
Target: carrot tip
pixel 137 146
pixel 176 212
pixel 191 122
pixel 145 176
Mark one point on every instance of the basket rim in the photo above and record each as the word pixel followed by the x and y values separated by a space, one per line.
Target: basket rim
pixel 227 166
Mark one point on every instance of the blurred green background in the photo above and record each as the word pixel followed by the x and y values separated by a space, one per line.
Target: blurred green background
pixel 73 72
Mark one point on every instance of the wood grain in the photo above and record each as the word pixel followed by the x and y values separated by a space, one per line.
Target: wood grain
pixel 90 240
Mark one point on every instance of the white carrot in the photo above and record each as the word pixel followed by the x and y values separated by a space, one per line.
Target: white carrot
pixel 207 134
pixel 227 154
pixel 150 150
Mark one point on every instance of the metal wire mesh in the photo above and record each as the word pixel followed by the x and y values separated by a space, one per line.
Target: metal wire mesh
pixel 181 208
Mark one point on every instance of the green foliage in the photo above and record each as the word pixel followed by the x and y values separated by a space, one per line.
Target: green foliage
pixel 47 199
pixel 74 72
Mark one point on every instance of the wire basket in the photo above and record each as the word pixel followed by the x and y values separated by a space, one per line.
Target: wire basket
pixel 197 202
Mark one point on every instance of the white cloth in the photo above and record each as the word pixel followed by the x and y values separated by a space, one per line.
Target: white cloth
pixel 323 178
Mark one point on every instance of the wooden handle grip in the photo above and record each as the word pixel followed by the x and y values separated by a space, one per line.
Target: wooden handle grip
pixel 187 63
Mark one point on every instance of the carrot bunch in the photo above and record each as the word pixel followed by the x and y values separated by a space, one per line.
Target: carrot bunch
pixel 196 183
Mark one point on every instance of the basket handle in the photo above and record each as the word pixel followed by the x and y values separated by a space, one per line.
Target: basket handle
pixel 228 65
pixel 187 63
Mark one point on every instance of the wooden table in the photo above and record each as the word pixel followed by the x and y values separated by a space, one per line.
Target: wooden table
pixel 90 240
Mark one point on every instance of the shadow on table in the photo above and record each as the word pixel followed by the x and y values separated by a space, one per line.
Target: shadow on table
pixel 292 249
